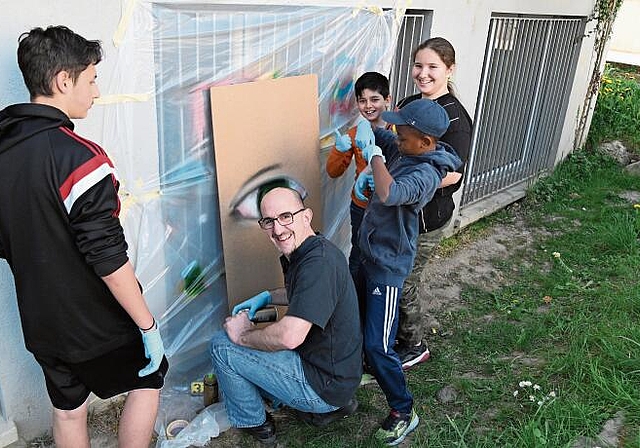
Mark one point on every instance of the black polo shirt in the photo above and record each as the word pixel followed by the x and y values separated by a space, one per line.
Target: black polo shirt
pixel 320 290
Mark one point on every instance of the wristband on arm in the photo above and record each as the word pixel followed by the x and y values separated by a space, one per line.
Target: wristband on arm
pixel 153 325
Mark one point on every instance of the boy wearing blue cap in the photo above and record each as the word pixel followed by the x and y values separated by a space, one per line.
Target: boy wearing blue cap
pixel 416 164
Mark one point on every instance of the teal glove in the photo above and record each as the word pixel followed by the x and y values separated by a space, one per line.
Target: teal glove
pixel 364 134
pixel 370 151
pixel 343 142
pixel 253 304
pixel 153 350
pixel 363 182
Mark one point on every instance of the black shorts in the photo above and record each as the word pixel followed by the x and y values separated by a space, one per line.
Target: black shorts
pixel 69 384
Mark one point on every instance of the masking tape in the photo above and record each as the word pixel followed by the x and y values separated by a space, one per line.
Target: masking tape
pixel 123 98
pixel 174 428
pixel 121 29
pixel 362 6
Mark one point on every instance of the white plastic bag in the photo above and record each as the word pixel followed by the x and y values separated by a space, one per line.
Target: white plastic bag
pixel 209 423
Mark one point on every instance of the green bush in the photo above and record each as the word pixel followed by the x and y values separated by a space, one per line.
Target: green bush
pixel 617 112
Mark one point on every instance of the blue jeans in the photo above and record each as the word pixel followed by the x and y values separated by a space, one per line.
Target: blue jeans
pixel 246 375
pixel 381 304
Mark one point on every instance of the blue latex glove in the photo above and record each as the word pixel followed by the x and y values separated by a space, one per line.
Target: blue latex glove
pixel 153 350
pixel 253 304
pixel 364 134
pixel 363 182
pixel 343 142
pixel 370 151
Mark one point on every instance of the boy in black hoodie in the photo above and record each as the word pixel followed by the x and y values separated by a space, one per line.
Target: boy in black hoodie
pixel 83 314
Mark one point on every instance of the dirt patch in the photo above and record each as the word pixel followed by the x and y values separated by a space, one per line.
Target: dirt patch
pixel 473 263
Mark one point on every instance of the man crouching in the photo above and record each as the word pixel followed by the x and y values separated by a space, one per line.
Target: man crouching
pixel 310 360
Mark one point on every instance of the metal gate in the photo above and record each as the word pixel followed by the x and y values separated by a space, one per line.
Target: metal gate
pixel 527 76
pixel 415 29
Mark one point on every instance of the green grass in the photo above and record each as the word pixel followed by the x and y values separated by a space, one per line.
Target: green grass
pixel 584 345
pixel 617 112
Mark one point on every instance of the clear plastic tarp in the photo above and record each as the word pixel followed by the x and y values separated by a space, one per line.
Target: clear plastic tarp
pixel 158 131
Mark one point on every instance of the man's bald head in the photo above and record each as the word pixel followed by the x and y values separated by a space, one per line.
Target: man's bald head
pixel 292 196
pixel 284 205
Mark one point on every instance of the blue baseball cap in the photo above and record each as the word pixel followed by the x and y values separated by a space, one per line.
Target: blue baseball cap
pixel 425 115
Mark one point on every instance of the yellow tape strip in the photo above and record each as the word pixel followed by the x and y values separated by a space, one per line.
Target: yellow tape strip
pixel 123 98
pixel 362 6
pixel 121 29
pixel 401 10
pixel 129 200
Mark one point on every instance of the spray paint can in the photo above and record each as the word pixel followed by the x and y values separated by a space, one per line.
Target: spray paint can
pixel 210 392
pixel 267 314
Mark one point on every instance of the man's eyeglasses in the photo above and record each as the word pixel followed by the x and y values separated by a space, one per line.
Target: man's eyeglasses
pixel 284 219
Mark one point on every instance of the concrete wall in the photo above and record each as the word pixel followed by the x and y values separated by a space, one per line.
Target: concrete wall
pixel 22 396
pixel 625 39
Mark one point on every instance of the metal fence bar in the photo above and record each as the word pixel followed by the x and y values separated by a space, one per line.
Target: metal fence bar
pixel 532 63
pixel 535 69
pixel 495 112
pixel 554 74
pixel 526 81
pixel 413 31
pixel 529 52
pixel 504 157
pixel 481 106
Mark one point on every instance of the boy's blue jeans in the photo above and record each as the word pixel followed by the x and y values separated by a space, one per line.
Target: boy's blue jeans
pixel 246 375
pixel 380 327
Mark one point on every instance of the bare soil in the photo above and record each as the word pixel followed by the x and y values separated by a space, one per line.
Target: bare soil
pixel 444 275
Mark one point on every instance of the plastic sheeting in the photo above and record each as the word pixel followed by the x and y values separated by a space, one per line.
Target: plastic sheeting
pixel 158 131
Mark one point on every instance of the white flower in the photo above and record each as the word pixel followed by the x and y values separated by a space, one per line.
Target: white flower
pixel 552 394
pixel 540 403
pixel 515 393
pixel 536 387
pixel 532 398
pixel 556 254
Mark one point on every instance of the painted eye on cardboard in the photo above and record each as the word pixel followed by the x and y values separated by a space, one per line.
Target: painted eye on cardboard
pixel 246 204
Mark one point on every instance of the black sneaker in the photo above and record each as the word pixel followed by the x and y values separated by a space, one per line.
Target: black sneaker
pixel 265 433
pixel 413 355
pixel 322 420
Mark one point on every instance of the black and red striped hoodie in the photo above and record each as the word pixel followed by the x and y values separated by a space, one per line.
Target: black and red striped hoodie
pixel 60 232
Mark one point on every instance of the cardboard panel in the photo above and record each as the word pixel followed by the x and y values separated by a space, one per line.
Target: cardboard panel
pixel 262 131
